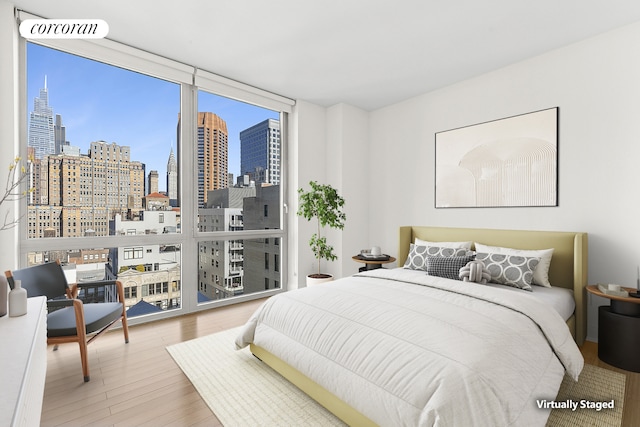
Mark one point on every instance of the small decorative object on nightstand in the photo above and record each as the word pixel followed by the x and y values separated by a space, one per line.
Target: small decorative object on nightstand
pixel 618 326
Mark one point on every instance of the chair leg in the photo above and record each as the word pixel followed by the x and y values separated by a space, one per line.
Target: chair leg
pixel 125 329
pixel 82 338
pixel 84 358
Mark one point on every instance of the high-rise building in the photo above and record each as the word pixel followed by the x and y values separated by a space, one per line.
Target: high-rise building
pixel 261 257
pixel 221 261
pixel 41 128
pixel 172 179
pixel 213 155
pixel 153 182
pixel 260 152
pixel 80 194
pixel 60 135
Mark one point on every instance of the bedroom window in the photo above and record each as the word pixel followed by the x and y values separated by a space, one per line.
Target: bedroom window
pixel 242 270
pixel 119 158
pixel 238 192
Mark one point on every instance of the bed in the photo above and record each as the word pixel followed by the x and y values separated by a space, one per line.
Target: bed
pixel 400 347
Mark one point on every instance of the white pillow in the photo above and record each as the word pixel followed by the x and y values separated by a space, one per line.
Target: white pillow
pixel 466 245
pixel 541 272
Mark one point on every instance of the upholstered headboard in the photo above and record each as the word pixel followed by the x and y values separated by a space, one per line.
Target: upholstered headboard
pixel 568 265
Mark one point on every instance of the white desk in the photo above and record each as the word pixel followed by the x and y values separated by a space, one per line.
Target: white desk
pixel 23 365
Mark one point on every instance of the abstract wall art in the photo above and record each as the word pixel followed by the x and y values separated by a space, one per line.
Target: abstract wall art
pixel 508 162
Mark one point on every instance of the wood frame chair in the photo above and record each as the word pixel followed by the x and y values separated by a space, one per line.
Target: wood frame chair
pixel 69 319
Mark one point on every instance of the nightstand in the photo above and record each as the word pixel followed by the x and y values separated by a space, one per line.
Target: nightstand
pixel 619 330
pixel 372 264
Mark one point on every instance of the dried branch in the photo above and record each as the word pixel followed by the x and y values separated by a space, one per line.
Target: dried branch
pixel 18 173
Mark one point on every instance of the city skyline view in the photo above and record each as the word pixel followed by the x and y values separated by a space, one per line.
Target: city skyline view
pixel 120 126
pixel 95 102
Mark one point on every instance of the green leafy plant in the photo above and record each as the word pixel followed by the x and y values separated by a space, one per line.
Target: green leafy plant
pixel 323 203
pixel 17 174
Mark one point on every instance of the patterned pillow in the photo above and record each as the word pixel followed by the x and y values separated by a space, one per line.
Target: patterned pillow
pixel 417 259
pixel 541 272
pixel 510 270
pixel 447 267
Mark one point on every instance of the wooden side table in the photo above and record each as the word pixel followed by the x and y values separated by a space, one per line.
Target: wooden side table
pixel 619 330
pixel 371 264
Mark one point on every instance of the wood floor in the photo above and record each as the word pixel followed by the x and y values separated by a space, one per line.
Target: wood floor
pixel 138 384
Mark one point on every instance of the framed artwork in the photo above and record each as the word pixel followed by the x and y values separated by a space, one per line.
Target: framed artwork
pixel 503 163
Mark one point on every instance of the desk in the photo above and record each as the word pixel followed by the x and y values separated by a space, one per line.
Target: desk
pixel 371 264
pixel 23 365
pixel 619 330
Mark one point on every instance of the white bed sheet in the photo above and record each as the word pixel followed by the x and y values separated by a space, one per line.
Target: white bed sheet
pixel 561 299
pixel 434 352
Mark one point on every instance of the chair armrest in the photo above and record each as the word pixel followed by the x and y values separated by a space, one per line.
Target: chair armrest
pixel 56 304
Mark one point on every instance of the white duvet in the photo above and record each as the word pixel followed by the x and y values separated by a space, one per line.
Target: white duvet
pixel 407 349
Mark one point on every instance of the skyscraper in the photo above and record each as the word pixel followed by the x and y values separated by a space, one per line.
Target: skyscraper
pixel 41 128
pixel 213 155
pixel 153 182
pixel 260 152
pixel 83 192
pixel 172 179
pixel 60 134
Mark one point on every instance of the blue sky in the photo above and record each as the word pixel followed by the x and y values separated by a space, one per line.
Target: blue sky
pixel 102 102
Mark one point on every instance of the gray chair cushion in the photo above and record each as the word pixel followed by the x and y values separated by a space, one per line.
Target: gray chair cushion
pixel 62 322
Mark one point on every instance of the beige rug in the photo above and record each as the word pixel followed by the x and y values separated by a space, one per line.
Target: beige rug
pixel 242 391
pixel 596 385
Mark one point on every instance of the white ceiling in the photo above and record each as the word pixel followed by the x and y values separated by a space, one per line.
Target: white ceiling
pixel 367 53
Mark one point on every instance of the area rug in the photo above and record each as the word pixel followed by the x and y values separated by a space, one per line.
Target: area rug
pixel 242 391
pixel 594 385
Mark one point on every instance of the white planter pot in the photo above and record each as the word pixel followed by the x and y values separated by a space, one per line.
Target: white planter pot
pixel 311 281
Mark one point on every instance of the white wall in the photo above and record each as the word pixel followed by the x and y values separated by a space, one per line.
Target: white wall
pixel 596 85
pixel 330 145
pixel 347 165
pixel 306 153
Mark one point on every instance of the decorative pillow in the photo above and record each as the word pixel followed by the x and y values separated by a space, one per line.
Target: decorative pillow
pixel 540 274
pixel 417 259
pixel 475 271
pixel 510 270
pixel 466 245
pixel 448 267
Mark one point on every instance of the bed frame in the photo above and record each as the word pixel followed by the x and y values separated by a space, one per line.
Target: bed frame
pixel 568 270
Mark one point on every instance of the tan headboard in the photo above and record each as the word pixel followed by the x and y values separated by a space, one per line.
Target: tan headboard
pixel 568 265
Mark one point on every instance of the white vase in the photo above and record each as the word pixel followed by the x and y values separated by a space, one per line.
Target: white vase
pixel 17 300
pixel 4 292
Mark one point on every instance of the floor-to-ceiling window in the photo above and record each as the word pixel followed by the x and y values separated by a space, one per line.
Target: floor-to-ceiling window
pixel 139 175
pixel 238 196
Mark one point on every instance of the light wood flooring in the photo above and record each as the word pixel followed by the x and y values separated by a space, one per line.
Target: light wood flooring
pixel 139 384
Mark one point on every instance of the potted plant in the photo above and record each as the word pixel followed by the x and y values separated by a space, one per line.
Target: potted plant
pixel 323 203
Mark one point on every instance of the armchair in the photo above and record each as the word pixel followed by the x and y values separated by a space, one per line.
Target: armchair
pixel 68 318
